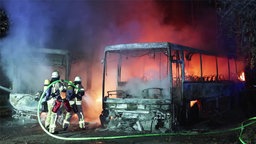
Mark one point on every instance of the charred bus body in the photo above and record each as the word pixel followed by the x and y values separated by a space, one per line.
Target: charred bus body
pixel 24 99
pixel 151 87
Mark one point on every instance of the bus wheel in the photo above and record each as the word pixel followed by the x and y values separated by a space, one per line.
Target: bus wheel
pixel 194 114
pixel 189 115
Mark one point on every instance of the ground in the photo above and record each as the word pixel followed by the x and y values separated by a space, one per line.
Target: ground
pixel 222 130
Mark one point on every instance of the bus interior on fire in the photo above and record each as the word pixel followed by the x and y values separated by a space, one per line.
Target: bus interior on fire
pixel 169 82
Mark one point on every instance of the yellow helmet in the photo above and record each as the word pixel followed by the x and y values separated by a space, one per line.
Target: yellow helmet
pixel 70 83
pixel 46 82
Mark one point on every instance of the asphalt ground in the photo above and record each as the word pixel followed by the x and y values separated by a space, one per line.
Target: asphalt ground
pixel 28 131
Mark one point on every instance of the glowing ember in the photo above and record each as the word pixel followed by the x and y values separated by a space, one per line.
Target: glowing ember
pixel 193 102
pixel 241 77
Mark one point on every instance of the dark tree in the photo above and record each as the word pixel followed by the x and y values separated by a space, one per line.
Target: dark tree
pixel 237 21
pixel 4 23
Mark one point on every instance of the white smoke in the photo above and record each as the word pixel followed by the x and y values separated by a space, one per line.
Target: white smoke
pixel 25 69
pixel 136 86
pixel 84 28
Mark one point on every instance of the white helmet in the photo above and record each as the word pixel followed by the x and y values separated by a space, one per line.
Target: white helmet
pixel 55 74
pixel 77 79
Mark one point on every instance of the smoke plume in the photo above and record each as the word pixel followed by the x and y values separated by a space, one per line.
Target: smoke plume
pixel 85 27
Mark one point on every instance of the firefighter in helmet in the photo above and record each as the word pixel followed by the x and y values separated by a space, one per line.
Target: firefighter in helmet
pixel 50 96
pixel 44 101
pixel 75 92
pixel 56 97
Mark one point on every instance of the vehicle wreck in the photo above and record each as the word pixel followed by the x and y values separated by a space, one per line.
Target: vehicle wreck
pixel 24 101
pixel 154 87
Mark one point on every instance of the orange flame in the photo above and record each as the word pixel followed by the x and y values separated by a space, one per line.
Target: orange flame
pixel 193 102
pixel 241 77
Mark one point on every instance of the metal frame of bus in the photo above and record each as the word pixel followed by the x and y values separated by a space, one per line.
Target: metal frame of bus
pixel 168 48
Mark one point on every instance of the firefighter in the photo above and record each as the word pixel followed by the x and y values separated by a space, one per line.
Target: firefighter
pixel 75 92
pixel 56 98
pixel 50 98
pixel 44 102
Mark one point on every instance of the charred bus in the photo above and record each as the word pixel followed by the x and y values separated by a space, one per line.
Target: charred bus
pixel 151 87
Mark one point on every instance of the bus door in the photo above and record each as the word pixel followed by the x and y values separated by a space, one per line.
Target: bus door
pixel 177 76
pixel 177 79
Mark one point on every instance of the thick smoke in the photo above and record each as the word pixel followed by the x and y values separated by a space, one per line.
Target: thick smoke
pixel 137 88
pixel 85 27
pixel 23 67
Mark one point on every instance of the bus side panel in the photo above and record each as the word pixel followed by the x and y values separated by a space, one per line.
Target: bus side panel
pixel 212 97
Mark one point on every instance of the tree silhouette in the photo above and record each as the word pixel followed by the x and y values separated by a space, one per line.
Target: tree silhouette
pixel 238 20
pixel 4 23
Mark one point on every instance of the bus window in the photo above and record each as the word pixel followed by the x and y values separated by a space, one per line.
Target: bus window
pixel 192 67
pixel 209 67
pixel 223 70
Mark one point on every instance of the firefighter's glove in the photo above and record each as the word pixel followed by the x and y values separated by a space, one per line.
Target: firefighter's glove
pixel 36 98
pixel 81 92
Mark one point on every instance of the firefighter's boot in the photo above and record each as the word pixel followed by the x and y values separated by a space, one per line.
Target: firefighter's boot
pixel 66 121
pixel 65 125
pixel 53 123
pixel 49 113
pixel 82 124
pixel 81 120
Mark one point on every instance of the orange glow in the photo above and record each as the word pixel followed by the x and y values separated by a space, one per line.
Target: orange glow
pixel 91 80
pixel 92 108
pixel 193 102
pixel 146 67
pixel 241 77
pixel 209 72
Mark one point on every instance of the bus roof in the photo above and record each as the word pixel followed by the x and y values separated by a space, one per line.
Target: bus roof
pixel 157 45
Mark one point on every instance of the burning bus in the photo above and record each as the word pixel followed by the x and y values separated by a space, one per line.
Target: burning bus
pixel 152 87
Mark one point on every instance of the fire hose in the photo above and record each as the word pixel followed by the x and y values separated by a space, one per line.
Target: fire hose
pixel 244 124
